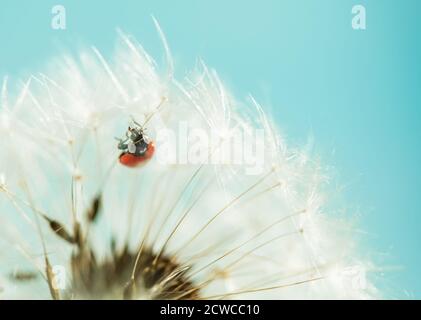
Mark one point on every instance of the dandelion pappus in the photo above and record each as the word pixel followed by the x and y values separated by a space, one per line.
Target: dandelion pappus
pixel 137 148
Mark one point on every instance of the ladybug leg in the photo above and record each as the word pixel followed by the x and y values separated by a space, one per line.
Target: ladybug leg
pixel 135 122
pixel 122 145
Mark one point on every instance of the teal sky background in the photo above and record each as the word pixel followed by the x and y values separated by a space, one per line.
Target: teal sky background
pixel 356 92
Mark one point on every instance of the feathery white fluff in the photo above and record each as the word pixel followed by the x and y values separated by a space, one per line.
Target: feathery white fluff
pixel 240 234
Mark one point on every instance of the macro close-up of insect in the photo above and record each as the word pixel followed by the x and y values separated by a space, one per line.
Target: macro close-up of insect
pixel 136 147
pixel 185 229
pixel 223 151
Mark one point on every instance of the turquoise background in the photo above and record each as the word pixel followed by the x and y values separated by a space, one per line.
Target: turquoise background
pixel 356 92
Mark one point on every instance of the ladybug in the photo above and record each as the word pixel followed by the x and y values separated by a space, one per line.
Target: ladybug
pixel 136 147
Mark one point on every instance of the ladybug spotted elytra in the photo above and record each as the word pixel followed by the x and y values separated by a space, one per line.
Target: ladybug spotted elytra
pixel 136 147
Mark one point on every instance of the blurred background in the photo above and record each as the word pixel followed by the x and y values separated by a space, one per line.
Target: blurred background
pixel 356 92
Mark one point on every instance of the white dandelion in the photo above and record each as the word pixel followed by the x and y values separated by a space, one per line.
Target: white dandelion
pixel 219 208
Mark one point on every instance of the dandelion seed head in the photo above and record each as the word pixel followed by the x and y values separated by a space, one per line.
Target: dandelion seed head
pixel 169 229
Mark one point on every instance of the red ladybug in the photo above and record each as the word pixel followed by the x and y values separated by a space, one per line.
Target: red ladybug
pixel 136 148
pixel 131 160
